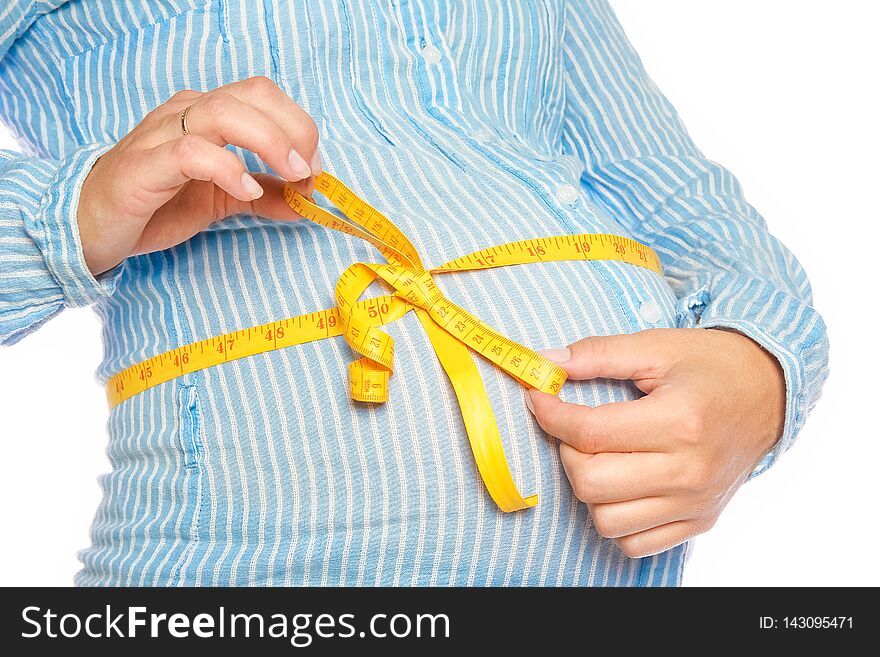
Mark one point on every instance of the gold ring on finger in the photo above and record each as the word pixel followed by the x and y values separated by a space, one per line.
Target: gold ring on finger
pixel 183 120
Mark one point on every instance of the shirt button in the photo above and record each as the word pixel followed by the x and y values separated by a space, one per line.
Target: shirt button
pixel 650 312
pixel 431 54
pixel 481 134
pixel 567 194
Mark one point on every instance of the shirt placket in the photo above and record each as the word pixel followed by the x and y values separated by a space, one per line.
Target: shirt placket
pixel 443 118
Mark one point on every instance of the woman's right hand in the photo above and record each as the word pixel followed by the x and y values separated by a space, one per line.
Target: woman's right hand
pixel 158 187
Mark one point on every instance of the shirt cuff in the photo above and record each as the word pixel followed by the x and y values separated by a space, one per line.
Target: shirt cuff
pixel 55 230
pixel 701 309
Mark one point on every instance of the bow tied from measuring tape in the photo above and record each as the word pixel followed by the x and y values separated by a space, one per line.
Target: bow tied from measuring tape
pixel 452 331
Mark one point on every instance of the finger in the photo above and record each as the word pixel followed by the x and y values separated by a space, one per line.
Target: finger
pixel 164 168
pixel 154 125
pixel 179 100
pixel 269 98
pixel 613 477
pixel 641 425
pixel 223 119
pixel 630 356
pixel 271 205
pixel 662 538
pixel 634 516
pixel 197 206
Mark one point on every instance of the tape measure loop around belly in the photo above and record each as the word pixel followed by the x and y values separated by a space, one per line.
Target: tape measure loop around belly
pixel 453 331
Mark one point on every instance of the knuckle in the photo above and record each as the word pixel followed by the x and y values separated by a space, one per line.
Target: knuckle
pixel 157 114
pixel 186 148
pixel 306 131
pixel 631 547
pixel 604 522
pixel 692 422
pixel 585 485
pixel 260 85
pixel 309 129
pixel 261 81
pixel 184 95
pixel 579 492
pixel 216 105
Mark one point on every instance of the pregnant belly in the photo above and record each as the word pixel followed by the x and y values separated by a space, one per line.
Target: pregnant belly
pixel 264 471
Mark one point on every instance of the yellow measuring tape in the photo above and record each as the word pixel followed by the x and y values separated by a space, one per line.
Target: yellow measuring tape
pixel 453 331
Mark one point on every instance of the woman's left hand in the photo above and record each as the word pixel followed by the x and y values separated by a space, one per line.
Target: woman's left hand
pixel 659 470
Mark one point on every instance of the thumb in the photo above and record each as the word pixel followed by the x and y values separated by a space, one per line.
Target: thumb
pixel 633 356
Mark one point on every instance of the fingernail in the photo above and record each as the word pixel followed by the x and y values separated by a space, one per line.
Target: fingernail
pixel 529 404
pixel 317 163
pixel 251 186
pixel 558 355
pixel 298 166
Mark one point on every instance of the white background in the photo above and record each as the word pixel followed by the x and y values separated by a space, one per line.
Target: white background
pixel 784 93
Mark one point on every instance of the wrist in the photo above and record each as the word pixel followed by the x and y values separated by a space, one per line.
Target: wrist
pixel 90 209
pixel 766 383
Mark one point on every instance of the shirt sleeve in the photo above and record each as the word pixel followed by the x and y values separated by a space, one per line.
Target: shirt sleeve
pixel 42 268
pixel 641 166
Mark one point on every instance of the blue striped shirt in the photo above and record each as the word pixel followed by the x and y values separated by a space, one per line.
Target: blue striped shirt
pixel 471 124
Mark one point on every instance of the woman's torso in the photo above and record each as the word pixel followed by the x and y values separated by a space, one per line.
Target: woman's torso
pixel 262 470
